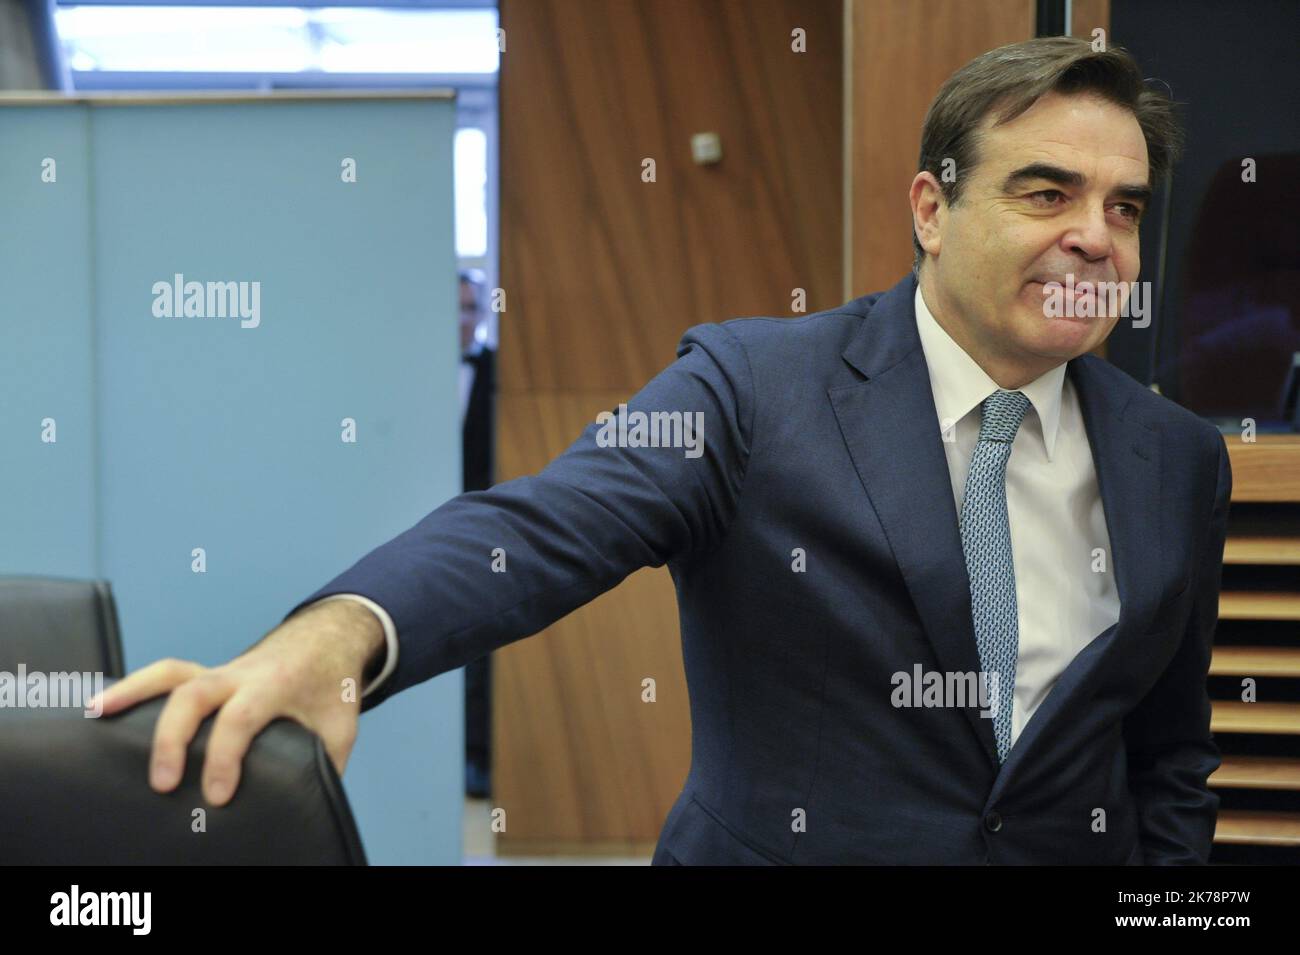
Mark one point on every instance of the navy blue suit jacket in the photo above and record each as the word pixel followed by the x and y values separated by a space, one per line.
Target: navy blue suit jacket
pixel 821 433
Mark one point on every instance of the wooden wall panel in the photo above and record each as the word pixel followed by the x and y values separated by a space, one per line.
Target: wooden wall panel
pixel 901 51
pixel 602 274
pixel 1085 15
pixel 580 762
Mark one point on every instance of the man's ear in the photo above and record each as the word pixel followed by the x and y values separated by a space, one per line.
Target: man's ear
pixel 928 211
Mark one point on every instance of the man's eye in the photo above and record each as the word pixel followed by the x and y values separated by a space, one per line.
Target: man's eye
pixel 1048 192
pixel 1132 211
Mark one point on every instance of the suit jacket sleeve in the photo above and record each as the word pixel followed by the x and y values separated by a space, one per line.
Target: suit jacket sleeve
pixel 1171 751
pixel 568 533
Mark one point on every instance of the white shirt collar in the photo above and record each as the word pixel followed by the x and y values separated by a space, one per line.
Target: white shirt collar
pixel 960 384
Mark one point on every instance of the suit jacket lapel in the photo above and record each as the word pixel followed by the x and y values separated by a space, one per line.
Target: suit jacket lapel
pixel 891 428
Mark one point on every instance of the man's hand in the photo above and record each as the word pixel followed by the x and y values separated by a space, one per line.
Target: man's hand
pixel 297 670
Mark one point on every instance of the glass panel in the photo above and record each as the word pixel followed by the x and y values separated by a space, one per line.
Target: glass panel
pixel 471 192
pixel 278 39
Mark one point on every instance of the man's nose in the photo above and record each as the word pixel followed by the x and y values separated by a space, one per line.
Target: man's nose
pixel 1089 235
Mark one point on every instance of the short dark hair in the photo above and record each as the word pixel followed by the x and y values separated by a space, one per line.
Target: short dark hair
pixel 1011 79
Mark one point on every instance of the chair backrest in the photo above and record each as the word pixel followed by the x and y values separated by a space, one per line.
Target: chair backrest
pixel 53 624
pixel 74 791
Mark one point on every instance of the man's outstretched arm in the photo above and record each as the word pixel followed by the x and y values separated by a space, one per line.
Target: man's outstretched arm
pixel 484 569
pixel 490 567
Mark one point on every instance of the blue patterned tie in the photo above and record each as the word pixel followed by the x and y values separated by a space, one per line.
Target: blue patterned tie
pixel 986 543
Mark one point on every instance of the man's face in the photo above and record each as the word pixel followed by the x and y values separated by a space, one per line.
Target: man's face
pixel 1056 191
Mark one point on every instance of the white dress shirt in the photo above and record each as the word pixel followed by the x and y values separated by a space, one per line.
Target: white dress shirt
pixel 1053 505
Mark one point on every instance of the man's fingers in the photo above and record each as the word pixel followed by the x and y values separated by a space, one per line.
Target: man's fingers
pixel 241 718
pixel 185 709
pixel 246 695
pixel 146 683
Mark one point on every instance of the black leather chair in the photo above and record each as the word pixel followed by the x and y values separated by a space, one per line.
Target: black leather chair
pixel 53 624
pixel 74 791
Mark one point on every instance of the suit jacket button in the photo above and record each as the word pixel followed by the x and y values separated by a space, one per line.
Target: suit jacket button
pixel 993 822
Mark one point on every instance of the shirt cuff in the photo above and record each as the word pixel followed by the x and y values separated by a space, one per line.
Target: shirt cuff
pixel 390 637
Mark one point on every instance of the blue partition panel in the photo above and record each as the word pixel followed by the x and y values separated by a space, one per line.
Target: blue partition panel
pixel 261 430
pixel 48 433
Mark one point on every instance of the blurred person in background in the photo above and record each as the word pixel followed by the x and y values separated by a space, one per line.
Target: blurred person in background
pixel 477 401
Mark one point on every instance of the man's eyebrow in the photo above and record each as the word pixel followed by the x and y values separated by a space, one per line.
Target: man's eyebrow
pixel 1068 177
pixel 1135 192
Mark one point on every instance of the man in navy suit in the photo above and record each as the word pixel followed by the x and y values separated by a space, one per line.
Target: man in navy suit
pixel 948 583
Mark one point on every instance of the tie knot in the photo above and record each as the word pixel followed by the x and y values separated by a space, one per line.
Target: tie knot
pixel 1003 411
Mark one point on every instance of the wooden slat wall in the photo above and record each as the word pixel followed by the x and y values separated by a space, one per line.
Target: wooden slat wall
pixel 1258 638
pixel 602 274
